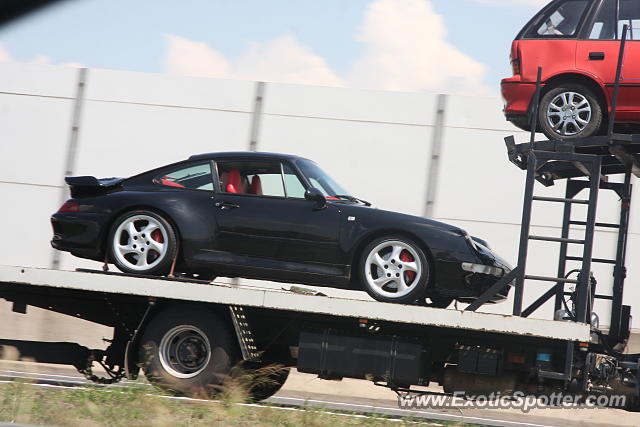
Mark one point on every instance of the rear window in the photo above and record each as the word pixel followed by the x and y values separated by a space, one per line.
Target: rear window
pixel 562 19
pixel 195 177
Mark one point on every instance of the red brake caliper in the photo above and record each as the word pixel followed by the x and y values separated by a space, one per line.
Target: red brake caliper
pixel 405 256
pixel 157 236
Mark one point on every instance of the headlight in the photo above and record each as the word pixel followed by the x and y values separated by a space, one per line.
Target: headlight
pixel 483 269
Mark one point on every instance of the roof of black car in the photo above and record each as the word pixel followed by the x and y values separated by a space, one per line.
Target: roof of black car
pixel 244 154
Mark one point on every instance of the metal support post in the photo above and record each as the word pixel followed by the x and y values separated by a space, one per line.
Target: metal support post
pixel 524 233
pixel 583 288
pixel 620 271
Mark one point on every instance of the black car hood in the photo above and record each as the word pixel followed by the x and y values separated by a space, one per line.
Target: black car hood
pixel 408 219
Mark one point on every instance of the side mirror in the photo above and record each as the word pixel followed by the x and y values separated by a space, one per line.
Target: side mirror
pixel 315 195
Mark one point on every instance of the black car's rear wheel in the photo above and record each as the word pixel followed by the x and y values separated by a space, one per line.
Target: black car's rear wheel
pixel 142 242
pixel 394 269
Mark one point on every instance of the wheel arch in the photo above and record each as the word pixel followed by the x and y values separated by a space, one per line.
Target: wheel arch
pixel 578 78
pixel 356 253
pixel 109 225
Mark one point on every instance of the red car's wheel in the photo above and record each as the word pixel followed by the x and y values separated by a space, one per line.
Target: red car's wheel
pixel 570 111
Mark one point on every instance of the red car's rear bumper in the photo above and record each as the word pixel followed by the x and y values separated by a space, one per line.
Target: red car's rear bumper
pixel 517 96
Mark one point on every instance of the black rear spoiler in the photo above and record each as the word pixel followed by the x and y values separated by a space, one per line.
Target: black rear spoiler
pixel 81 186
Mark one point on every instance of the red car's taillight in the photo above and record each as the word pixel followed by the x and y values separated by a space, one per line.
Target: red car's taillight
pixel 69 207
pixel 515 66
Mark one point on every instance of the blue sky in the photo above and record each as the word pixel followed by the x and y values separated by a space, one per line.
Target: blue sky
pixel 244 35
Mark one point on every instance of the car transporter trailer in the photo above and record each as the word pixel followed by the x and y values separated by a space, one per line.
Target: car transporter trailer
pixel 187 335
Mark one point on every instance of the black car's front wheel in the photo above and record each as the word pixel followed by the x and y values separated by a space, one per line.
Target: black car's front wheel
pixel 142 242
pixel 394 269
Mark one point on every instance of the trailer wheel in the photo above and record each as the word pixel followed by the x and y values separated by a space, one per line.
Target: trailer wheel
pixel 187 350
pixel 266 381
pixel 142 242
pixel 394 269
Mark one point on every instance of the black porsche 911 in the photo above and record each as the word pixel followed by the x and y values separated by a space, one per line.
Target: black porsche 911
pixel 274 217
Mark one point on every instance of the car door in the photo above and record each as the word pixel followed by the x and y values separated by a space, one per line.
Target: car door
pixel 259 221
pixel 597 54
pixel 549 40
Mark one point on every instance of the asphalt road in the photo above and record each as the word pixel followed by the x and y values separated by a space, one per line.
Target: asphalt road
pixel 361 397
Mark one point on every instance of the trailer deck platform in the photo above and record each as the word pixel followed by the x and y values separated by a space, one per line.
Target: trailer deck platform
pixel 249 296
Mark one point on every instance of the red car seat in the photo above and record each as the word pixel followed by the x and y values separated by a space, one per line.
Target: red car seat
pixel 234 182
pixel 169 183
pixel 256 186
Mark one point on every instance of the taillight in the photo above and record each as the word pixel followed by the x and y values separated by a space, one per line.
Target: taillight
pixel 69 207
pixel 516 358
pixel 515 66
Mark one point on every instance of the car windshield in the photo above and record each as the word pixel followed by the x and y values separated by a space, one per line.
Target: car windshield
pixel 319 179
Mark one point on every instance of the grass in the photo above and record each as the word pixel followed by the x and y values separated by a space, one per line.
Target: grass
pixel 137 405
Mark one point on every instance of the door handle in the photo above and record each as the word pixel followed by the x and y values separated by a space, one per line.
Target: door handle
pixel 596 56
pixel 226 205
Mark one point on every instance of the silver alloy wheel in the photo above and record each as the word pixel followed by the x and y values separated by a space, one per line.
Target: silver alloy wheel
pixel 387 274
pixel 184 351
pixel 569 113
pixel 140 242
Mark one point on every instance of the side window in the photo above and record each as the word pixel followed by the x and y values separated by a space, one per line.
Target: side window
pixel 604 27
pixel 629 14
pixel 562 20
pixel 260 178
pixel 292 183
pixel 195 177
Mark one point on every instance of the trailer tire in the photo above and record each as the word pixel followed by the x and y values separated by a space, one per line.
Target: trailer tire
pixel 266 381
pixel 188 350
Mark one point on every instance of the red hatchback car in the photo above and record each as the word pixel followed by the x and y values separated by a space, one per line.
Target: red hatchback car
pixel 576 42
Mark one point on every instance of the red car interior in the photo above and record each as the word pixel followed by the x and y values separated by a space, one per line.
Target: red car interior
pixel 169 183
pixel 256 186
pixel 234 182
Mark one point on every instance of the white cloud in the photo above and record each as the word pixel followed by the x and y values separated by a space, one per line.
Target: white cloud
pixel 38 59
pixel 191 58
pixel 286 60
pixel 279 60
pixel 404 49
pixel 41 60
pixel 514 2
pixel 4 54
pixel 74 65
